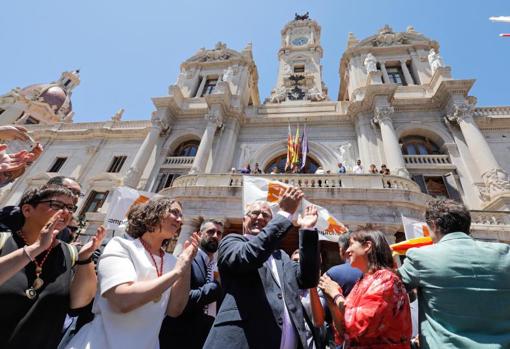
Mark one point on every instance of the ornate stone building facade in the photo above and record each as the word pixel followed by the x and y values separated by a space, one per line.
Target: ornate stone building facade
pixel 398 105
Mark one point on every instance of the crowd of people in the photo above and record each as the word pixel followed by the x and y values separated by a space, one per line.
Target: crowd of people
pixel 241 290
pixel 356 169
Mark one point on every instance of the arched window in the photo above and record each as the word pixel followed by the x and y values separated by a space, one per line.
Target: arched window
pixel 188 148
pixel 280 161
pixel 418 145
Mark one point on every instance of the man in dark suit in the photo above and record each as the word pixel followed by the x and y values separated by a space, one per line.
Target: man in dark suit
pixel 262 308
pixel 191 328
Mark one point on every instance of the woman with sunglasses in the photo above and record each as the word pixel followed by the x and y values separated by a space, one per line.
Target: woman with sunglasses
pixel 139 283
pixel 376 314
pixel 38 284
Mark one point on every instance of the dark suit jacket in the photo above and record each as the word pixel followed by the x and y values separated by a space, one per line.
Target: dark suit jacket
pixel 190 329
pixel 252 312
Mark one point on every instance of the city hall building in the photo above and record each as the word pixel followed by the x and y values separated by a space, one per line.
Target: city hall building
pixel 398 105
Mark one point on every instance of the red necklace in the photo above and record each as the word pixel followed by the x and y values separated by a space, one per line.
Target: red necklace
pixel 159 271
pixel 38 282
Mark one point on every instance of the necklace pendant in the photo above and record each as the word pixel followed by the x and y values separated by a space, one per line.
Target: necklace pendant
pixel 38 283
pixel 38 270
pixel 31 293
pixel 157 299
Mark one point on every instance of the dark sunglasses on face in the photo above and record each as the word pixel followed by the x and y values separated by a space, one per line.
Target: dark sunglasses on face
pixel 72 229
pixel 59 205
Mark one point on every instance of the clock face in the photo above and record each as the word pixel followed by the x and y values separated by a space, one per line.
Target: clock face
pixel 300 41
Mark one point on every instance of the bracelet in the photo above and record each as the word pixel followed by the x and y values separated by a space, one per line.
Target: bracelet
pixel 336 298
pixel 27 254
pixel 85 261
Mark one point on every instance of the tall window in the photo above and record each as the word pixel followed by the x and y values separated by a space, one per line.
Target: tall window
pixel 439 186
pixel 418 145
pixel 94 202
pixel 395 75
pixel 57 165
pixel 209 86
pixel 164 180
pixel 188 148
pixel 117 163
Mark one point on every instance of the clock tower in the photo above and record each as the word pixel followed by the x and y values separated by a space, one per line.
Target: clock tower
pixel 300 70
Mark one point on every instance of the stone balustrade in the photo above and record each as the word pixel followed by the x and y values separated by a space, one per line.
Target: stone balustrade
pixel 490 217
pixel 427 159
pixel 178 161
pixel 303 181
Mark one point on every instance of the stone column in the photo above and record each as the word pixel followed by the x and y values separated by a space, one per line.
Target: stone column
pixel 385 73
pixel 226 148
pixel 189 225
pixel 407 74
pixel 138 165
pixel 214 120
pixel 392 151
pixel 365 136
pixel 495 178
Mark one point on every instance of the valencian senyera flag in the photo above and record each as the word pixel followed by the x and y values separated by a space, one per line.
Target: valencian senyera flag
pixel 258 188
pixel 297 148
pixel 119 202
pixel 417 235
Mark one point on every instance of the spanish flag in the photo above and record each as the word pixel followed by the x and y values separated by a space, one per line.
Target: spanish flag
pixel 290 149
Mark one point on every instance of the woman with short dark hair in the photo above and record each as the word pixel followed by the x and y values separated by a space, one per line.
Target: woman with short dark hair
pixel 139 283
pixel 37 283
pixel 376 312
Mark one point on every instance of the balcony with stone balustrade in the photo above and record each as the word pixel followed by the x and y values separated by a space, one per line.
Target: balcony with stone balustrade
pixel 439 161
pixel 181 162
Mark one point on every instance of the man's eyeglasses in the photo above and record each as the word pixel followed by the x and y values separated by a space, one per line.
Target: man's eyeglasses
pixel 76 193
pixel 72 229
pixel 255 214
pixel 59 205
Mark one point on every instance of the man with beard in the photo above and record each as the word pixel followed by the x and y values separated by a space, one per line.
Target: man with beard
pixel 191 328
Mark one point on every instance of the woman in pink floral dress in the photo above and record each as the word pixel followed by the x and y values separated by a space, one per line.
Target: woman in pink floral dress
pixel 376 313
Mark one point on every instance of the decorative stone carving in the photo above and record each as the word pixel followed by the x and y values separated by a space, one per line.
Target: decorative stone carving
pixel 370 63
pixel 387 37
pixel 278 95
pixel 435 60
pixel 118 115
pixel 228 74
pixel 496 181
pixel 383 114
pixel 246 152
pixel 346 156
pixel 287 69
pixel 314 94
pixel 214 116
pixel 459 112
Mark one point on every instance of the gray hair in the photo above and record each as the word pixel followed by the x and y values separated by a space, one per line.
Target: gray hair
pixel 343 241
pixel 260 203
pixel 212 220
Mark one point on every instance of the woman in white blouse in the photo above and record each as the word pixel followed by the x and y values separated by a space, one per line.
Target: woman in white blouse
pixel 139 283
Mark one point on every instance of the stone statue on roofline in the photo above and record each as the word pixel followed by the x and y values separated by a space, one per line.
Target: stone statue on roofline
pixel 435 60
pixel 370 63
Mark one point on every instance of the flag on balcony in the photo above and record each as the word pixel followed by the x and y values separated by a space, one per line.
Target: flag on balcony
pixel 290 149
pixel 304 148
pixel 258 188
pixel 296 148
pixel 417 235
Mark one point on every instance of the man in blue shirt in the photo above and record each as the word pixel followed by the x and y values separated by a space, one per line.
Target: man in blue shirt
pixel 463 284
pixel 343 274
pixel 341 168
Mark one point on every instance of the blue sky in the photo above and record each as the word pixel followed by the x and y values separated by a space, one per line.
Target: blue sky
pixel 129 51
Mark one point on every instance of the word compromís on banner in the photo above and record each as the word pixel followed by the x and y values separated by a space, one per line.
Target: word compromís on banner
pixel 262 189
pixel 119 203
